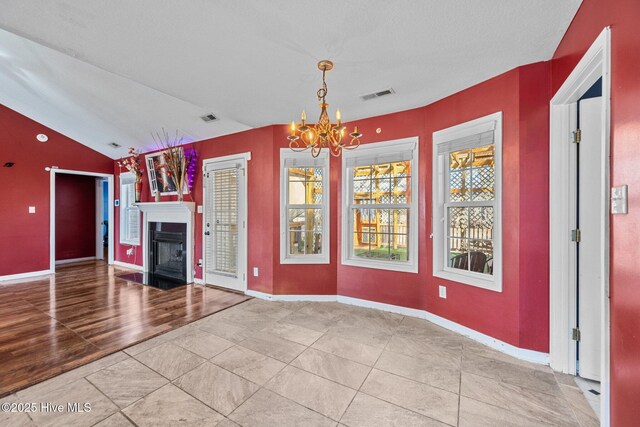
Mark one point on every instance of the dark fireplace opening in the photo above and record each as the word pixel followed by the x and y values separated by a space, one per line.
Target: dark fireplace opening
pixel 167 257
pixel 167 250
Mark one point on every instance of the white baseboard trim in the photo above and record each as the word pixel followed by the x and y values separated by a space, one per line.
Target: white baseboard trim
pixel 519 353
pixel 198 281
pixel 24 275
pixel 270 297
pixel 496 344
pixel 72 260
pixel 405 311
pixel 127 265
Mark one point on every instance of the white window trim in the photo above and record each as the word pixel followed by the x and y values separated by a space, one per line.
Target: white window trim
pixel 128 176
pixel 473 127
pixel 381 148
pixel 285 256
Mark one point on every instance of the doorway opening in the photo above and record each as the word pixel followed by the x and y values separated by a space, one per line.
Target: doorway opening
pixel 579 225
pixel 80 216
pixel 225 222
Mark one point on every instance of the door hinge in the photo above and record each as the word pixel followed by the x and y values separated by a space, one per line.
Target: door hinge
pixel 577 136
pixel 576 235
pixel 575 334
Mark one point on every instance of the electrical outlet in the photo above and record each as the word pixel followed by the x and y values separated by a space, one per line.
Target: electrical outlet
pixel 130 252
pixel 200 262
pixel 199 208
pixel 32 209
pixel 255 271
pixel 442 292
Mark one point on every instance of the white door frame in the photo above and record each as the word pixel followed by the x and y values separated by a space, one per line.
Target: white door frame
pixel 243 159
pixel 52 212
pixel 595 64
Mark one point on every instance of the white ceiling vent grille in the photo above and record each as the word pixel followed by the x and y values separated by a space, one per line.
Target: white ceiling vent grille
pixel 377 94
pixel 209 118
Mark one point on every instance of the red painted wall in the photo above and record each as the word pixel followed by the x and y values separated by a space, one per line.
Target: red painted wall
pixel 75 216
pixel 622 16
pixel 519 314
pixel 24 237
pixel 311 279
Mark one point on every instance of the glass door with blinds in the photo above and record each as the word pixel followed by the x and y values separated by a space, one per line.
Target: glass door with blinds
pixel 224 224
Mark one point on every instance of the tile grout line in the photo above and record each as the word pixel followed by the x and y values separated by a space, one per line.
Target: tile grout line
pixel 371 370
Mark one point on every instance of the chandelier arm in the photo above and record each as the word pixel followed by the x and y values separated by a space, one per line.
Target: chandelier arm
pixel 337 152
pixel 298 149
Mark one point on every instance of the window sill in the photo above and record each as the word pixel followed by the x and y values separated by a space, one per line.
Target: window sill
pixel 304 260
pixel 471 279
pixel 129 243
pixel 382 265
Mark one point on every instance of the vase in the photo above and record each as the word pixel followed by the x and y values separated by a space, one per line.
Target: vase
pixel 138 191
pixel 180 195
pixel 157 196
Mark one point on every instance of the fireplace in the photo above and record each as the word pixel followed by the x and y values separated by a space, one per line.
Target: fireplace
pixel 167 255
pixel 168 240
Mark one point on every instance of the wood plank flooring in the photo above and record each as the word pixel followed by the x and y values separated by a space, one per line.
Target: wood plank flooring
pixel 83 312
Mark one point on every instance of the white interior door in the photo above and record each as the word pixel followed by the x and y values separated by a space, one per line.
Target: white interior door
pixel 224 225
pixel 590 219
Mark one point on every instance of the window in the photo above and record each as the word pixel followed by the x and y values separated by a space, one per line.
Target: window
pixel 304 221
pixel 129 213
pixel 379 220
pixel 467 203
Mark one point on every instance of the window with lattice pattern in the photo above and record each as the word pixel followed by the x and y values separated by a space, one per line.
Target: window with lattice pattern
pixel 466 202
pixel 304 205
pixel 380 206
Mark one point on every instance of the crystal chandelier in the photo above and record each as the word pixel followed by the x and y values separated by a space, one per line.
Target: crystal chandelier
pixel 324 134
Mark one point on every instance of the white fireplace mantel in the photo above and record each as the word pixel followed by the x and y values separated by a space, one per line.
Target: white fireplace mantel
pixel 178 212
pixel 167 207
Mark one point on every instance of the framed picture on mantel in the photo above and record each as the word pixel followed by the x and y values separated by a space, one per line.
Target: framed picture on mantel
pixel 159 179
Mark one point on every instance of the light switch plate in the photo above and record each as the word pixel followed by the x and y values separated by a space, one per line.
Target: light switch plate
pixel 32 209
pixel 442 292
pixel 619 200
pixel 255 271
pixel 199 208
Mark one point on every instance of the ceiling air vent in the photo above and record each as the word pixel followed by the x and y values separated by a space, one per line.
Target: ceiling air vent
pixel 209 118
pixel 377 94
pixel 115 145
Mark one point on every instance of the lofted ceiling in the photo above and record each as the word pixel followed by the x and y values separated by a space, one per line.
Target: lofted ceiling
pixel 115 71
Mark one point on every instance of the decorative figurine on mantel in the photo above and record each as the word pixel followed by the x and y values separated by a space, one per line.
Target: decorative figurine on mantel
pixel 133 165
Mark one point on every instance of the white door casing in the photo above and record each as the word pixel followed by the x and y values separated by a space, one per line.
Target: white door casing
pixel 591 218
pixel 595 64
pixel 53 171
pixel 224 225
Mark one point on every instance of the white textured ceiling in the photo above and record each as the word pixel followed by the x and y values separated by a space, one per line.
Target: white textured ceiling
pixel 101 71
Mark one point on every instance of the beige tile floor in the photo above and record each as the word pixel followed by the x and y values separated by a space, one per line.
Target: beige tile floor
pixel 304 364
